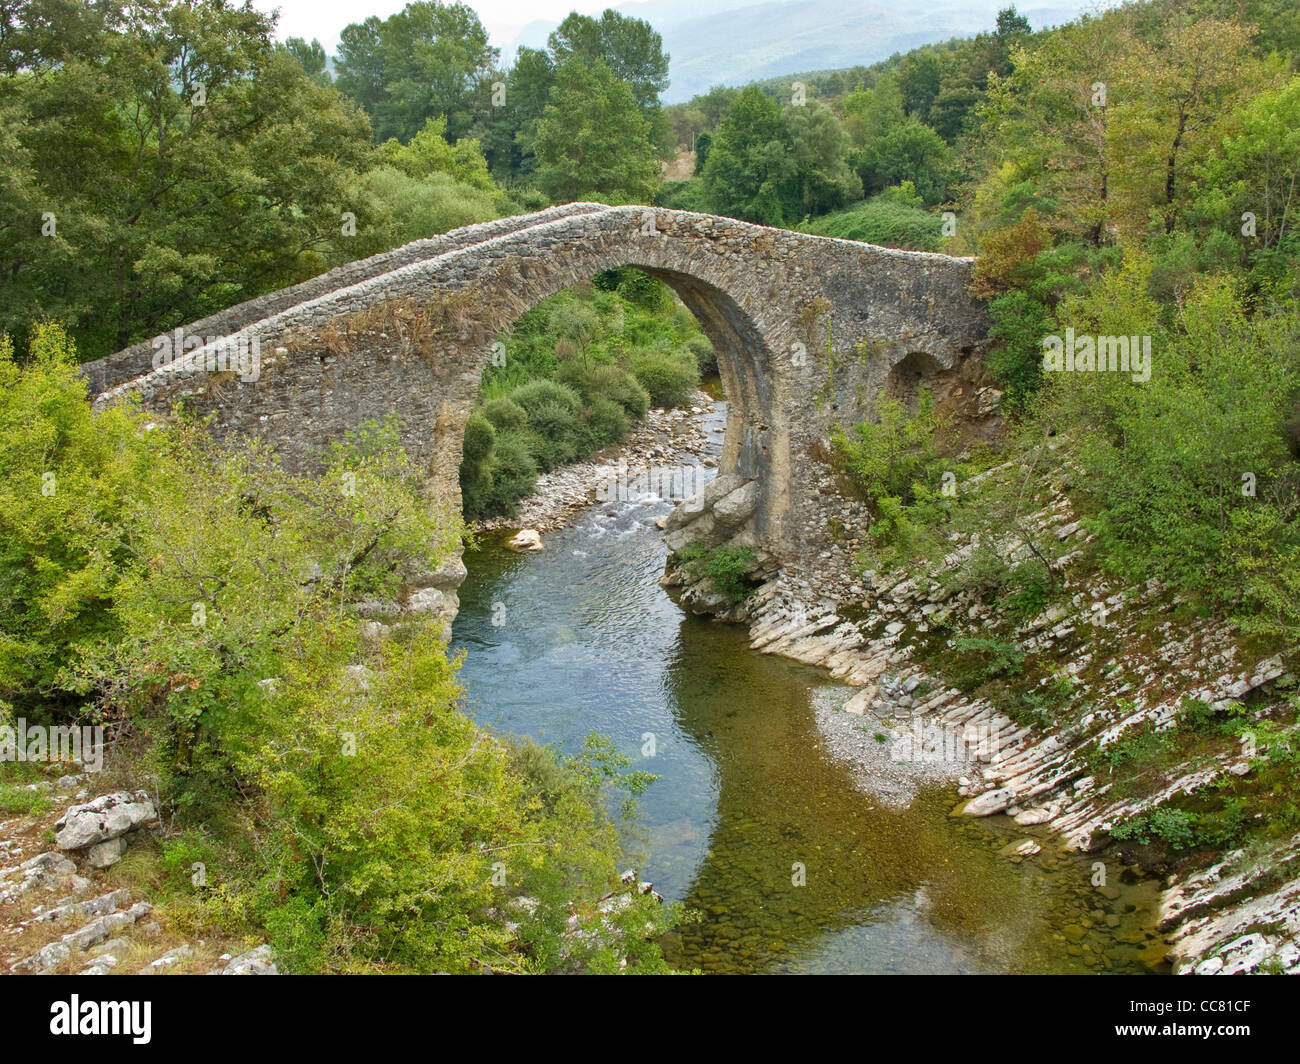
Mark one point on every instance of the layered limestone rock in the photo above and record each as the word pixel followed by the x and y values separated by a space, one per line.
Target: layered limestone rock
pixel 1129 666
pixel 721 516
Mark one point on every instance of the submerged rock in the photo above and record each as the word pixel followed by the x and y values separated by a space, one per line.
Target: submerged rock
pixel 526 539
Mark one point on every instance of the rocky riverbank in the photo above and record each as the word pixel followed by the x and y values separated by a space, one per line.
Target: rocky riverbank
pixel 1126 663
pixel 78 907
pixel 663 438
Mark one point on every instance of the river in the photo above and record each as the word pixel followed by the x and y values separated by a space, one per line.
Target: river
pixel 581 638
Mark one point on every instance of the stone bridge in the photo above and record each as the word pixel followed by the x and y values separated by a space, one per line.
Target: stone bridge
pixel 807 330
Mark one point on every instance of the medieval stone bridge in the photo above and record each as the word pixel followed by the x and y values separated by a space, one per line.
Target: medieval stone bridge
pixel 807 329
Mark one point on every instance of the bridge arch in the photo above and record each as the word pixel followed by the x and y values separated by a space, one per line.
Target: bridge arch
pixel 807 330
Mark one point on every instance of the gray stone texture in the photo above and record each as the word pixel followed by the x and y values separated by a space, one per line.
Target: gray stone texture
pixel 808 330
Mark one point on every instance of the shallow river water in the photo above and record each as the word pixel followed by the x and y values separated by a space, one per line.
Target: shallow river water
pixel 747 793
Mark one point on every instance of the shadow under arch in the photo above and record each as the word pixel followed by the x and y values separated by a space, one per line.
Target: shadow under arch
pixel 736 340
pixel 743 355
pixel 907 376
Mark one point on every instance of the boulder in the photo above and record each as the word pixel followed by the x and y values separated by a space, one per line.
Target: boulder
pixel 1039 815
pixel 704 500
pixel 257 962
pixel 989 802
pixel 736 507
pixel 106 854
pixel 110 816
pixel 427 600
pixel 526 539
pixel 449 575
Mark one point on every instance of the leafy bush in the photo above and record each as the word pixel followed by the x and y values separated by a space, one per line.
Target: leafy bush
pixel 670 380
pixel 505 414
pixel 406 208
pixel 347 809
pixel 547 393
pixel 1008 254
pixel 1020 323
pixel 705 355
pixel 604 381
pixel 607 422
pixel 727 567
pixel 476 462
pixel 1174 827
pixel 1206 515
pixel 514 471
pixel 889 457
pixel 999 657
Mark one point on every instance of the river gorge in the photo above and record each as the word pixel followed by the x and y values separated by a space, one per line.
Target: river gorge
pixel 580 637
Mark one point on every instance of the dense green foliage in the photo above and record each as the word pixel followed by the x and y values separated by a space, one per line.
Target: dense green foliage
pixel 165 160
pixel 204 603
pixel 894 219
pixel 578 371
pixel 1135 173
pixel 592 140
pixel 1155 207
pixel 417 64
pixel 729 569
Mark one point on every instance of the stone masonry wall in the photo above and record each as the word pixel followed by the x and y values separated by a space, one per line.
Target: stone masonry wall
pixel 807 329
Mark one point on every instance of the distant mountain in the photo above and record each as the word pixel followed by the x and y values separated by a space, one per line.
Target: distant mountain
pixel 716 42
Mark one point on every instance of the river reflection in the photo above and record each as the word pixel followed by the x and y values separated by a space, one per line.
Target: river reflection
pixel 747 797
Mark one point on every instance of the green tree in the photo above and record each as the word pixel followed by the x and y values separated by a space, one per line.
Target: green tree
pixel 311 57
pixel 819 149
pixel 749 173
pixel 1257 168
pixel 592 140
pixel 424 61
pixel 507 129
pixel 918 81
pixel 871 113
pixel 429 153
pixel 910 151
pixel 191 166
pixel 1181 86
pixel 630 47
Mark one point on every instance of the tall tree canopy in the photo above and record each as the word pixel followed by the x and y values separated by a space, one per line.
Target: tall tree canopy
pixel 424 61
pixel 164 168
pixel 630 47
pixel 592 140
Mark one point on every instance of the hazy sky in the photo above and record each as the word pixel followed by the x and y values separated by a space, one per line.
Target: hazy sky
pixel 503 19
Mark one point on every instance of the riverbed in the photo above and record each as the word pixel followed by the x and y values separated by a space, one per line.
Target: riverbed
pixel 752 822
